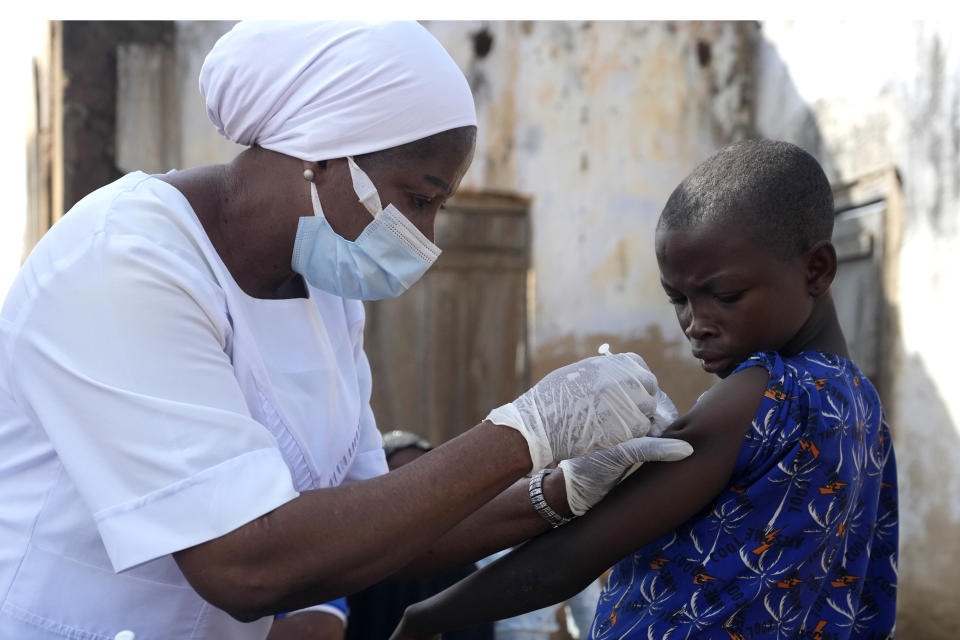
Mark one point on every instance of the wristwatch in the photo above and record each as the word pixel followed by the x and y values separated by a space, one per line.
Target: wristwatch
pixel 540 503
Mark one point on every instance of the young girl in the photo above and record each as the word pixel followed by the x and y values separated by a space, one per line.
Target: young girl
pixel 783 523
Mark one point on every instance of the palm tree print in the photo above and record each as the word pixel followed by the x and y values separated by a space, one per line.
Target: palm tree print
pixel 801 544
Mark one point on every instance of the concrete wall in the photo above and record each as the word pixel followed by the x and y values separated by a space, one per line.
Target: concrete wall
pixel 161 117
pixel 202 144
pixel 25 41
pixel 865 97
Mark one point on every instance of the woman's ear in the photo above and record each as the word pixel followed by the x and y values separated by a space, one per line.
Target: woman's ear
pixel 821 262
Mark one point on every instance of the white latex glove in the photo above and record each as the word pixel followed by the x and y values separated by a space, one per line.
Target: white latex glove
pixel 589 478
pixel 665 415
pixel 589 405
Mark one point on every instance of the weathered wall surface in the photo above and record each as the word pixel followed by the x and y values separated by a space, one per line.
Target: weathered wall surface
pixel 861 99
pixel 161 117
pixel 202 144
pixel 597 122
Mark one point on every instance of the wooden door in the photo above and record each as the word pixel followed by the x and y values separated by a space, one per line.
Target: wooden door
pixel 455 345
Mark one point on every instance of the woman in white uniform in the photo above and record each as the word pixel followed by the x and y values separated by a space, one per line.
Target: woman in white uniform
pixel 188 446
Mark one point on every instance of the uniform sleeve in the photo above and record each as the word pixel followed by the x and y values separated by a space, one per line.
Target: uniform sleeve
pixel 121 358
pixel 370 460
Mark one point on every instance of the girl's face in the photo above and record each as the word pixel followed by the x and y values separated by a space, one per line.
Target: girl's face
pixel 733 296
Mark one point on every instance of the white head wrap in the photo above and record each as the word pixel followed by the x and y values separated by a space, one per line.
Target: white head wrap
pixel 321 90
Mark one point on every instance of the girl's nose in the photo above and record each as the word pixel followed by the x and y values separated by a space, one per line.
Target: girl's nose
pixel 697 326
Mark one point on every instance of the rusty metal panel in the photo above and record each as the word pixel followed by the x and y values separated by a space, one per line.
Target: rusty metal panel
pixel 868 234
pixel 858 293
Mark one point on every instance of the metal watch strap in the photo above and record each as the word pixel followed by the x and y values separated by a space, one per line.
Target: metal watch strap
pixel 540 503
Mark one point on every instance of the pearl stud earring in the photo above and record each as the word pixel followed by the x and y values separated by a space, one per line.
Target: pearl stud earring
pixel 308 175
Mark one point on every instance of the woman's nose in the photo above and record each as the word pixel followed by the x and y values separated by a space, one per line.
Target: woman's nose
pixel 428 225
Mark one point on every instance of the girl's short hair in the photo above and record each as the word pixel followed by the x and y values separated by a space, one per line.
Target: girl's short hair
pixel 776 190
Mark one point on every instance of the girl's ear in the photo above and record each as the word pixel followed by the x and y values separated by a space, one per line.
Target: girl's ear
pixel 821 268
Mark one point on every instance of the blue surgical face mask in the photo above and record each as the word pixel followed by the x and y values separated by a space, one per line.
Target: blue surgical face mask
pixel 389 256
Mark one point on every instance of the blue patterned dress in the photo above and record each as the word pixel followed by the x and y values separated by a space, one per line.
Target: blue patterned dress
pixel 802 543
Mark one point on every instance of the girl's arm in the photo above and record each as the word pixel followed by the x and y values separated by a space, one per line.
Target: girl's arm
pixel 653 501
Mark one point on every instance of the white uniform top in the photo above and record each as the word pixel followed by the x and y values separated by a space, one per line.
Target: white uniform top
pixel 146 405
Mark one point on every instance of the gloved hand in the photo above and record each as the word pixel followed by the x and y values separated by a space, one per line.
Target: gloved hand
pixel 664 416
pixel 589 478
pixel 589 405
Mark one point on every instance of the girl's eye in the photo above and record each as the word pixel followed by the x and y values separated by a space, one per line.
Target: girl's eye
pixel 676 300
pixel 729 297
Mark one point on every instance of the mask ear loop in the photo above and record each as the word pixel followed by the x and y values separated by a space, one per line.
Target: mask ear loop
pixel 315 199
pixel 363 186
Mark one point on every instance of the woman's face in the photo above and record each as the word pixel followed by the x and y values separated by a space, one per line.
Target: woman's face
pixel 416 183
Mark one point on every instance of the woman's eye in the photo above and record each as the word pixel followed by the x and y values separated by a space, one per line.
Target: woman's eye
pixel 676 300
pixel 421 202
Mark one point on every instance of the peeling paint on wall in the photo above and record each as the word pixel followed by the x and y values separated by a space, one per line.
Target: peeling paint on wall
pixel 597 123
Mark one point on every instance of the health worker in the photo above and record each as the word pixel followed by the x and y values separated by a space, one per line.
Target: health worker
pixel 187 441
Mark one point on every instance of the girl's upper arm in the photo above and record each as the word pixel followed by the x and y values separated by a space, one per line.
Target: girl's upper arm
pixel 659 497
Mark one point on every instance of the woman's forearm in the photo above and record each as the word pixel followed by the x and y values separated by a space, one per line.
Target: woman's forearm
pixel 331 542
pixel 505 521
